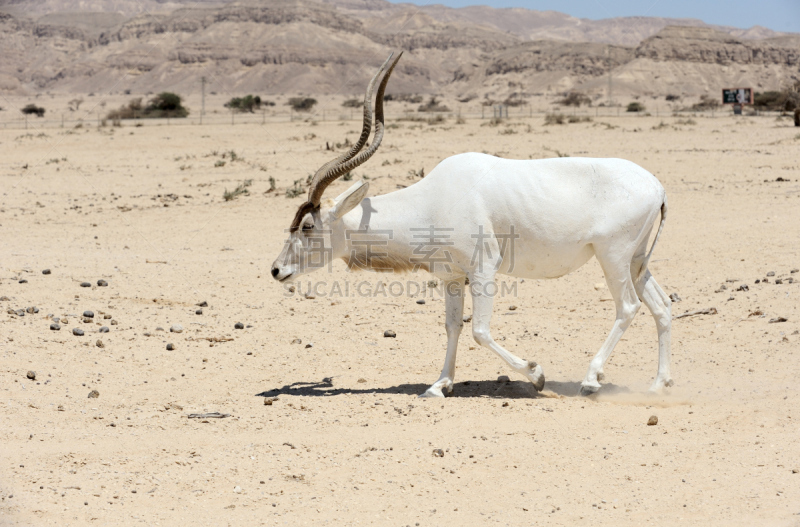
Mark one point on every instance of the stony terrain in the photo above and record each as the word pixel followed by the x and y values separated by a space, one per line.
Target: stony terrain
pixel 343 439
pixel 324 47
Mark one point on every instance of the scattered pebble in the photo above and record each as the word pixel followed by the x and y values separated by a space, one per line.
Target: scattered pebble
pixel 177 328
pixel 421 301
pixel 743 287
pixel 88 314
pixel 505 404
pixel 674 297
pixel 269 400
pixel 512 308
pixel 297 341
pixel 198 312
pixel 102 283
pixel 652 421
pixel 107 316
pixel 31 375
pixel 778 319
pixel 362 380
pixel 114 322
pixel 202 304
pixel 438 452
pixel 32 310
pixel 794 271
pixel 45 271
pixel 238 325
pixel 54 326
pixel 77 332
pixel 64 321
pixel 771 273
pixel 23 281
pixel 87 320
pixel 104 329
pixel 99 344
pixel 503 378
pixel 4 299
pixel 468 318
pixel 389 333
pixel 237 489
pixel 19 313
pixel 309 345
pixel 170 347
pixel 94 394
pixel 86 284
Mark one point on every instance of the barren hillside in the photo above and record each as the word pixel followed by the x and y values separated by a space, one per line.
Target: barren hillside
pixel 328 46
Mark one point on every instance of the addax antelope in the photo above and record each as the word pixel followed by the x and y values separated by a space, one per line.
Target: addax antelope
pixel 527 219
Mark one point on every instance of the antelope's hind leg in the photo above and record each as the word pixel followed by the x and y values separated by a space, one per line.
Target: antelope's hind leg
pixel 454 321
pixel 660 307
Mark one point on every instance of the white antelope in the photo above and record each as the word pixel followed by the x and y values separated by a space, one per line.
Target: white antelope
pixel 527 219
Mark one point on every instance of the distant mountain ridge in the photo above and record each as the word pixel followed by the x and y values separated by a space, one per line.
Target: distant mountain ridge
pixel 324 46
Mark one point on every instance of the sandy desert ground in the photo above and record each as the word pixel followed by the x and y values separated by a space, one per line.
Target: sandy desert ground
pixel 346 441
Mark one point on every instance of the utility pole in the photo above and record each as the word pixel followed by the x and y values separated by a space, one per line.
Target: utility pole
pixel 203 95
pixel 610 98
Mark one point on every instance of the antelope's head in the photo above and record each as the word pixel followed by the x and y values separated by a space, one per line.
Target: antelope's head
pixel 311 234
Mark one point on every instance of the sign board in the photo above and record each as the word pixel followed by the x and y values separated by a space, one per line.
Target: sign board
pixel 737 96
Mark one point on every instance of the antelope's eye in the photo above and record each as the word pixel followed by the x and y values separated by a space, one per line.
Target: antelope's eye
pixel 308 226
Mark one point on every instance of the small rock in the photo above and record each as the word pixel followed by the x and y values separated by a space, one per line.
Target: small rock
pixel 599 286
pixel 795 471
pixel 99 344
pixel 777 319
pixel 104 329
pixel 114 322
pixel 88 314
pixel 467 318
pixel 45 271
pixel 269 400
pixel 505 404
pixel 94 394
pixel 86 284
pixel 60 408
pixel 23 281
pixel 54 326
pixel 202 304
pixel 653 420
pixel 743 287
pixel 771 273
pixel 77 332
pixel 64 321
pixel 31 375
pixel 107 317
pixel 674 297
pixel 309 345
pixel 237 489
pixel 512 308
pixel 170 347
pixel 389 333
pixel 198 312
pixel 438 452
pixel 362 380
pixel 4 299
pixel 177 328
pixel 421 301
pixel 86 320
pixel 310 295
pixel 297 341
pixel 32 310
pixel 503 378
pixel 794 271
pixel 102 283
pixel 238 325
pixel 19 313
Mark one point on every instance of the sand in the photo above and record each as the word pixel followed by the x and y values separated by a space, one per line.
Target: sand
pixel 346 441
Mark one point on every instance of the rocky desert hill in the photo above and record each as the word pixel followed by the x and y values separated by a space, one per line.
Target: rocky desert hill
pixel 329 46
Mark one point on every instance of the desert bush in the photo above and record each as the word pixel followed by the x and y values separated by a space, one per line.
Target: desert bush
pixel 164 104
pixel 635 107
pixel 296 189
pixel 514 101
pixel 554 118
pixel 671 97
pixel 579 119
pixel 403 97
pixel 354 103
pixel 433 106
pixel 32 109
pixel 706 103
pixel 575 99
pixel 301 104
pixel 75 104
pixel 238 191
pixel 797 116
pixel 786 100
pixel 248 103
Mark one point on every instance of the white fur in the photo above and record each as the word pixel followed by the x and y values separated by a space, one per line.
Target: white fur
pixel 564 211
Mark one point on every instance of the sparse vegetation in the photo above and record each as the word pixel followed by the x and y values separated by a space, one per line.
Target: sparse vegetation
pixel 635 107
pixel 786 100
pixel 348 176
pixel 403 97
pixel 354 103
pixel 301 104
pixel 554 118
pixel 295 190
pixel 238 191
pixel 248 103
pixel 433 106
pixel 164 104
pixel 75 104
pixel 575 99
pixel 688 122
pixel 416 173
pixel 706 103
pixel 672 97
pixel 32 109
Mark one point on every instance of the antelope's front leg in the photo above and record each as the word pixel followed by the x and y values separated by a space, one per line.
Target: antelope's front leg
pixel 454 321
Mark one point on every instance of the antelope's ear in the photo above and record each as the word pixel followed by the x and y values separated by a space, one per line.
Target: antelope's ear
pixel 349 199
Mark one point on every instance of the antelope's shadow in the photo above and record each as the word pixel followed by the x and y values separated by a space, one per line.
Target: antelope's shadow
pixel 492 389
